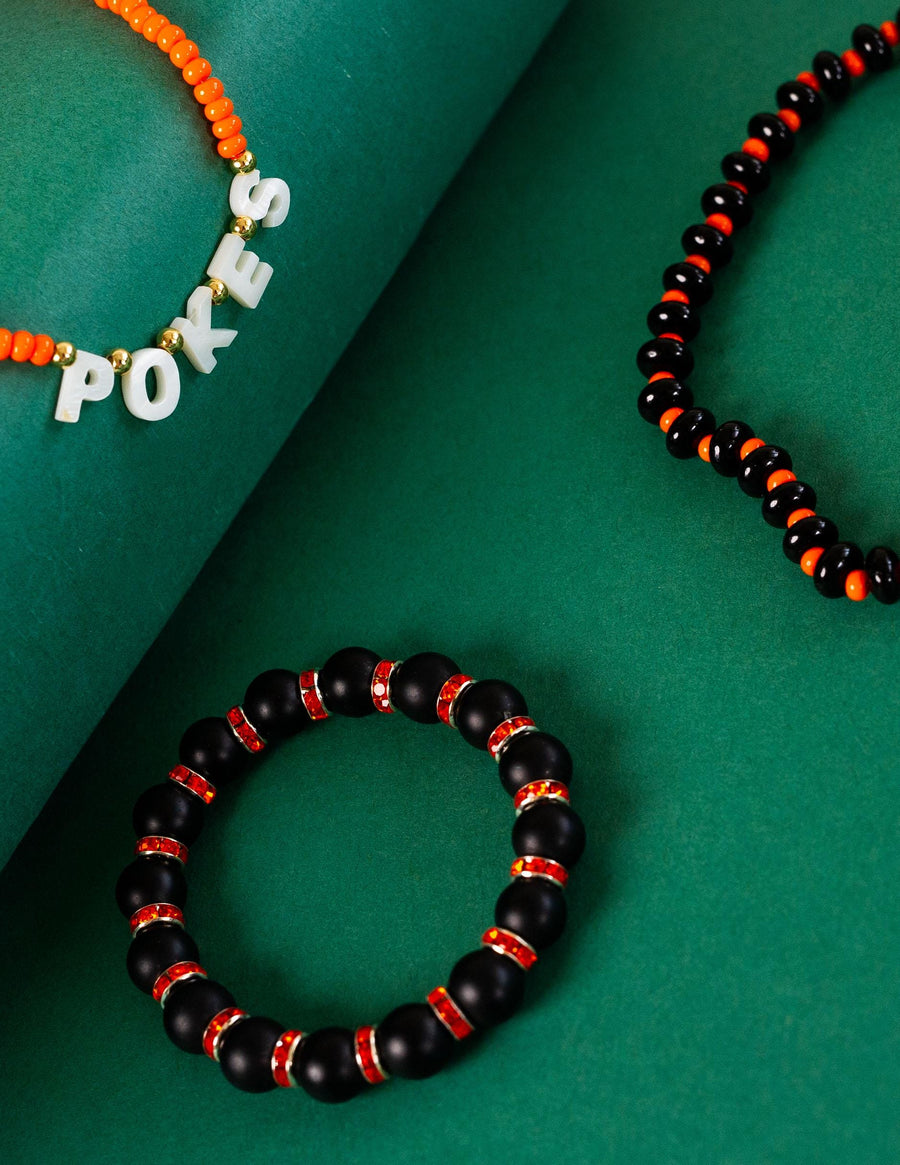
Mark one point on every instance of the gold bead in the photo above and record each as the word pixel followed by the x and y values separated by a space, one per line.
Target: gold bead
pixel 244 226
pixel 219 291
pixel 65 354
pixel 170 340
pixel 243 163
pixel 120 359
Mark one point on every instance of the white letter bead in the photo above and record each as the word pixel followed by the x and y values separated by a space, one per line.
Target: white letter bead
pixel 241 271
pixel 89 378
pixel 268 199
pixel 199 338
pixel 168 384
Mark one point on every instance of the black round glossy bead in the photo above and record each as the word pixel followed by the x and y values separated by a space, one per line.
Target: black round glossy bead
pixel 534 909
pixel 484 705
pixel 833 567
pixel 725 447
pixel 549 829
pixel 534 756
pixel 661 395
pixel 417 683
pixel 806 534
pixel 155 948
pixel 711 243
pixel 412 1042
pixel 883 569
pixel 189 1007
pixel 749 171
pixel 724 199
pixel 687 431
pixel 872 47
pixel 696 284
pixel 345 682
pixel 759 465
pixel 772 130
pixel 210 748
pixel 150 878
pixel 487 987
pixel 169 810
pixel 802 99
pixel 833 75
pixel 325 1065
pixel 245 1053
pixel 274 706
pixel 780 503
pixel 672 316
pixel 665 356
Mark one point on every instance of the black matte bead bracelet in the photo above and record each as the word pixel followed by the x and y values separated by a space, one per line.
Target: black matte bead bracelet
pixel 763 471
pixel 484 988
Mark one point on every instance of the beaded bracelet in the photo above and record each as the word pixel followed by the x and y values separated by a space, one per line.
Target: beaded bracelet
pixel 762 470
pixel 484 988
pixel 234 271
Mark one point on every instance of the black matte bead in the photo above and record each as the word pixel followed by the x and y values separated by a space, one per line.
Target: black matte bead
pixel 325 1065
pixel 484 705
pixel 210 748
pixel 169 810
pixel 833 567
pixel 150 878
pixel 771 129
pixel 155 948
pixel 189 1006
pixel 661 395
pixel 417 683
pixel 245 1053
pixel 757 467
pixel 883 569
pixel 780 503
pixel 672 316
pixel 534 909
pixel 806 534
pixel 549 829
pixel 687 431
pixel 534 756
pixel 711 243
pixel 696 284
pixel 412 1042
pixel 872 47
pixel 833 75
pixel 802 99
pixel 725 447
pixel 487 987
pixel 345 681
pixel 665 356
pixel 749 171
pixel 724 199
pixel 273 705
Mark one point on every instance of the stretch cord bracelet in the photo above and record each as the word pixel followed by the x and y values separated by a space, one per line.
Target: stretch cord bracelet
pixel 234 272
pixel 762 470
pixel 484 988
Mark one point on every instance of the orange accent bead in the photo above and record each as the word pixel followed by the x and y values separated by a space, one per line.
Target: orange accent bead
pixel 216 110
pixel 797 515
pixel 749 446
pixel 721 222
pixel 790 119
pixel 153 27
pixel 5 343
pixel 22 347
pixel 857 585
pixel 810 558
pixel 44 350
pixel 210 90
pixel 779 477
pixel 703 447
pixel 890 33
pixel 810 79
pixel 739 186
pixel 670 415
pixel 196 71
pixel 113 6
pixel 671 336
pixel 757 148
pixel 169 37
pixel 231 147
pixel 676 296
pixel 127 7
pixel 226 127
pixel 854 62
pixel 660 376
pixel 140 16
pixel 102 3
pixel 699 261
pixel 183 53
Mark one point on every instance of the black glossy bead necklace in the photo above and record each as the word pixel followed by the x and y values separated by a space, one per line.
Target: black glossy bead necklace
pixel 837 568
pixel 484 988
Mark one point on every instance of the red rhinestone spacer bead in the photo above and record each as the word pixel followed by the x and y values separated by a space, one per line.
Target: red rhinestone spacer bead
pixel 155 912
pixel 449 1014
pixel 193 781
pixel 244 730
pixel 162 845
pixel 173 975
pixel 217 1027
pixel 367 1055
pixel 309 691
pixel 448 696
pixel 283 1058
pixel 535 867
pixel 504 732
pixel 537 790
pixel 504 942
pixel 381 684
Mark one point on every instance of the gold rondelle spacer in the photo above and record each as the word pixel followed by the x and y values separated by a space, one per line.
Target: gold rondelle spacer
pixel 219 291
pixel 244 226
pixel 120 359
pixel 65 354
pixel 170 340
pixel 243 163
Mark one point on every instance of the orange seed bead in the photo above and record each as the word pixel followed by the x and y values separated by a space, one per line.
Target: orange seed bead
pixel 703 447
pixel 169 37
pixel 857 585
pixel 748 446
pixel 676 296
pixel 796 515
pixel 779 477
pixel 183 52
pixel 757 148
pixel 154 26
pixel 113 6
pixel 721 222
pixel 810 79
pixel 810 558
pixel 209 90
pixel 854 62
pixel 231 147
pixel 660 376
pixel 44 349
pixel 216 110
pixel 140 16
pixel 102 3
pixel 670 415
pixel 196 71
pixel 790 119
pixel 5 343
pixel 227 127
pixel 22 347
pixel 127 7
pixel 699 261
pixel 890 33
